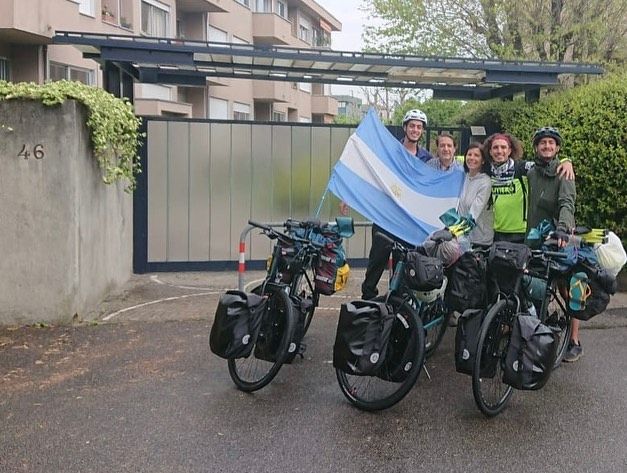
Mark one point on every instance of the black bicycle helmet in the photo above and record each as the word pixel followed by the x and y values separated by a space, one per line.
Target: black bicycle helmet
pixel 547 132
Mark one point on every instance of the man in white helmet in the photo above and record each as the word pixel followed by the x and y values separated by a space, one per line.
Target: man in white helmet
pixel 414 124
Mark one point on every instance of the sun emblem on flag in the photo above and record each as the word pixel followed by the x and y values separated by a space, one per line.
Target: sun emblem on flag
pixel 396 190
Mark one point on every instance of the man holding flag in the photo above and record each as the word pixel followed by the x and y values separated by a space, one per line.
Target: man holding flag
pixel 381 178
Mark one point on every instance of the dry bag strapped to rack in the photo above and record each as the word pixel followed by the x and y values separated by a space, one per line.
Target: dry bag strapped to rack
pixel 506 263
pixel 332 259
pixel 531 353
pixel 466 287
pixel 589 293
pixel 423 273
pixel 236 324
pixel 362 337
pixel 467 338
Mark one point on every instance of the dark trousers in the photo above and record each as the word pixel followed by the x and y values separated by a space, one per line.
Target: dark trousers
pixel 511 237
pixel 378 261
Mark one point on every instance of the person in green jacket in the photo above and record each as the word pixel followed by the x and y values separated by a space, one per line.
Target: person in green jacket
pixel 553 197
pixel 510 186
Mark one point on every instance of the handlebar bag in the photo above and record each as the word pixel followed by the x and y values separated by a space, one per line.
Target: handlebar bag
pixel 467 338
pixel 507 256
pixel 423 273
pixel 530 354
pixel 362 336
pixel 467 285
pixel 236 324
pixel 506 263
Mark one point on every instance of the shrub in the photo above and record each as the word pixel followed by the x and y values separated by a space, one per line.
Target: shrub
pixel 114 128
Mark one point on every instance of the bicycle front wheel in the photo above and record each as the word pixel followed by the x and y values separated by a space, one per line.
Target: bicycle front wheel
pixel 490 392
pixel 557 317
pixel 403 361
pixel 434 318
pixel 271 347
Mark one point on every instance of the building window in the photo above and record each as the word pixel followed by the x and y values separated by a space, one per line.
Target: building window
pixel 237 40
pixel 246 3
pixel 65 72
pixel 278 116
pixel 86 7
pixel 217 35
pixel 218 108
pixel 155 18
pixel 304 28
pixel 5 70
pixel 156 91
pixel 263 6
pixel 281 8
pixel 241 111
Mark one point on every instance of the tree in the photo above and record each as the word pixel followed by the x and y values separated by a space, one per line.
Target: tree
pixel 439 112
pixel 549 30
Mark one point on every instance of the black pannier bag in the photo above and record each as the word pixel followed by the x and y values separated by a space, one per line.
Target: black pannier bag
pixel 401 349
pixel 332 258
pixel 362 336
pixel 530 354
pixel 466 288
pixel 423 273
pixel 466 340
pixel 506 263
pixel 601 285
pixel 236 324
pixel 268 346
pixel 301 308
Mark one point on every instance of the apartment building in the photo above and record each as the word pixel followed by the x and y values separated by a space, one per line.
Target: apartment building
pixel 26 52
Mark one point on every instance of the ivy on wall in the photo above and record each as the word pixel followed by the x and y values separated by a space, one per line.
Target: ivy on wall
pixel 114 128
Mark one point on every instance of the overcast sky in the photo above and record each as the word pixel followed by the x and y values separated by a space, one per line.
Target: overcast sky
pixel 352 19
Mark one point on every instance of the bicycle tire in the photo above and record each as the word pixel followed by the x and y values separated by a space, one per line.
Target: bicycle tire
pixel 557 316
pixel 435 319
pixel 490 393
pixel 375 393
pixel 277 328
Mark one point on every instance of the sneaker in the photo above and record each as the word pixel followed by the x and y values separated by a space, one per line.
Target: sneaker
pixel 574 352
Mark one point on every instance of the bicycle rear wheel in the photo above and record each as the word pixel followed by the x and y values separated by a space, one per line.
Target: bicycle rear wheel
pixel 557 316
pixel 271 347
pixel 434 318
pixel 490 393
pixel 403 362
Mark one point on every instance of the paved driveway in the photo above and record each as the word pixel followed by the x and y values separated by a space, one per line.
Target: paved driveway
pixel 142 393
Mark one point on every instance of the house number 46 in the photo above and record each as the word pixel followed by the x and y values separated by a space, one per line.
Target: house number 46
pixel 38 152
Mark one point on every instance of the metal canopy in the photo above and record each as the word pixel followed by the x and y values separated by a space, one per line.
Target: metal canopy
pixel 191 63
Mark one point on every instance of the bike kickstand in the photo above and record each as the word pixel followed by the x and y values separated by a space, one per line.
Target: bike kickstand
pixel 426 371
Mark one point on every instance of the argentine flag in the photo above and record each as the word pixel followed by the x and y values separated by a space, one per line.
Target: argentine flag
pixel 381 180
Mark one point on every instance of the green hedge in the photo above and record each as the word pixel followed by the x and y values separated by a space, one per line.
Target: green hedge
pixel 593 121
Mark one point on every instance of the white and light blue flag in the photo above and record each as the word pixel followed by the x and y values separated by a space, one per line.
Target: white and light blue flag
pixel 380 179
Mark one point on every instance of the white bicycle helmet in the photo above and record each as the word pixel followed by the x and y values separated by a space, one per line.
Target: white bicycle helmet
pixel 415 114
pixel 430 296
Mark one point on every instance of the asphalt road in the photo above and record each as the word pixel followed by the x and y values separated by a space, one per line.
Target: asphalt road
pixel 148 396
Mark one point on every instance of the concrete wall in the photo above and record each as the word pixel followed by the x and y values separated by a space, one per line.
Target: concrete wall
pixel 65 236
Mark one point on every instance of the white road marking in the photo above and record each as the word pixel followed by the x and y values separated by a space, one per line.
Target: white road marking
pixel 121 311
